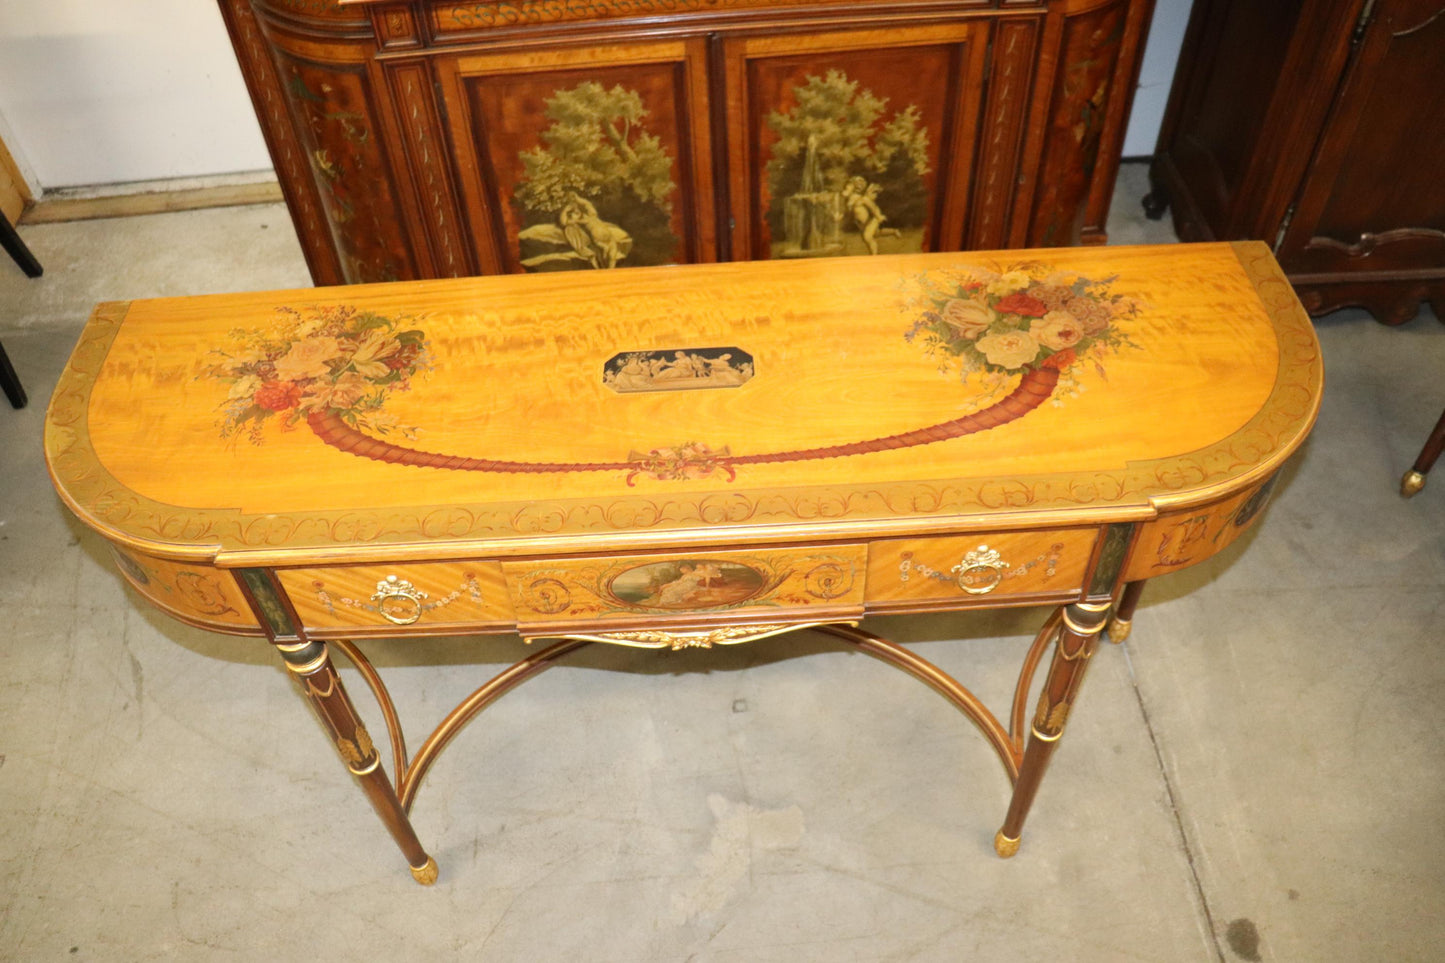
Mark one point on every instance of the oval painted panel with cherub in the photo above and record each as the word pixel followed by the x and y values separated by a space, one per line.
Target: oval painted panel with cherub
pixel 687 584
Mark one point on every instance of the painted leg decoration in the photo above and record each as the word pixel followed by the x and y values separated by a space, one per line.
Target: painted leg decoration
pixel 310 665
pixel 1123 619
pixel 1083 622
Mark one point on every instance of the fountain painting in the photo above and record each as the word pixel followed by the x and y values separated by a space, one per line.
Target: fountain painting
pixel 845 175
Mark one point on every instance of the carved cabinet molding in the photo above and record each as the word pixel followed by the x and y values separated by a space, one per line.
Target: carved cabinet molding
pixel 441 139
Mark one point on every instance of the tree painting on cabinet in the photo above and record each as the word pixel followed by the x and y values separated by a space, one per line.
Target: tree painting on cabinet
pixel 597 189
pixel 847 170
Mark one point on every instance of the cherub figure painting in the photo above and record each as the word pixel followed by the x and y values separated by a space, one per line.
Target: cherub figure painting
pixel 676 369
pixel 687 584
pixel 860 199
pixel 842 164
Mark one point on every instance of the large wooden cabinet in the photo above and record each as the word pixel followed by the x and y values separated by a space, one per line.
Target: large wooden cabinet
pixel 1317 126
pixel 436 139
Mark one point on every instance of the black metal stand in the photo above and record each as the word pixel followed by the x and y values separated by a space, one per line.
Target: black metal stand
pixel 11 383
pixel 16 249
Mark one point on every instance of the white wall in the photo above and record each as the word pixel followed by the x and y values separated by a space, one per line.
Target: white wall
pixel 106 91
pixel 1166 35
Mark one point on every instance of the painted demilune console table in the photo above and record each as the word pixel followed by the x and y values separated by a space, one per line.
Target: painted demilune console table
pixel 684 457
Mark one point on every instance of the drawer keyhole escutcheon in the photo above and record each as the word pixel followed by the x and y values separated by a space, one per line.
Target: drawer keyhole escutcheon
pixel 981 571
pixel 398 600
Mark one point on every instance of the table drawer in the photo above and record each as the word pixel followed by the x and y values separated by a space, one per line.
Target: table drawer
pixel 796 582
pixel 986 567
pixel 424 594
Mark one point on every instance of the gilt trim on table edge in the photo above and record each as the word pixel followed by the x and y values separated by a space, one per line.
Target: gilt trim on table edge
pixel 1157 484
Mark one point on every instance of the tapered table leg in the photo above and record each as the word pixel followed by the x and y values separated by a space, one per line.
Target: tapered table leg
pixel 1123 618
pixel 1414 479
pixel 310 665
pixel 1083 622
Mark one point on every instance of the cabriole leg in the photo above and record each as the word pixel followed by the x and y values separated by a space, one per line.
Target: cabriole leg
pixel 1083 622
pixel 310 665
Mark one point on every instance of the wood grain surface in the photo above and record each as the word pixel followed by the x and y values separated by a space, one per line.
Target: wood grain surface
pixel 437 139
pixel 1215 381
pixel 1036 565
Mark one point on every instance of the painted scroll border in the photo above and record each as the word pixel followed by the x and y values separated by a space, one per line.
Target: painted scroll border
pixel 1205 474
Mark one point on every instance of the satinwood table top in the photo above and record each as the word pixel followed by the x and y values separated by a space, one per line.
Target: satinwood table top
pixel 684 406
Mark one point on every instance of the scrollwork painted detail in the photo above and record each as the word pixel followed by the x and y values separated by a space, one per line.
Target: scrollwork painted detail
pixel 315 8
pixel 550 11
pixel 548 596
pixel 1280 420
pixel 829 580
pixel 203 593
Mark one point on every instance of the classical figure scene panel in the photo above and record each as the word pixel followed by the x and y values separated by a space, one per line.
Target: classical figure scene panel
pixel 1013 336
pixel 586 166
pixel 678 370
pixel 849 149
pixel 688 584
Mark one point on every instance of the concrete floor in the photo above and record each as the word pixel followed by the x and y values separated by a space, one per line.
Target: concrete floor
pixel 1257 774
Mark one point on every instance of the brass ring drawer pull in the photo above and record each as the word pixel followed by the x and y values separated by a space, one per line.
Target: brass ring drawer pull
pixel 398 600
pixel 981 571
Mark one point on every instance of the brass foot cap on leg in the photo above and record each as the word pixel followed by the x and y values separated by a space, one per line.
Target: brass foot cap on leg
pixel 1004 846
pixel 426 875
pixel 1411 483
pixel 1119 630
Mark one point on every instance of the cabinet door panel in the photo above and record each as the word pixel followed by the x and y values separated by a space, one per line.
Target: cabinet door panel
pixel 584 159
pixel 334 117
pixel 1373 200
pixel 854 142
pixel 1222 118
pixel 1096 64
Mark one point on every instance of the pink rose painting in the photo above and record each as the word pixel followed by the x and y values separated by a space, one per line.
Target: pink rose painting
pixel 995 323
pixel 1015 337
pixel 1057 330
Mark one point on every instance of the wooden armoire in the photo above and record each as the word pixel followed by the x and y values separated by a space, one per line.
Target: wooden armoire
pixel 421 138
pixel 1317 126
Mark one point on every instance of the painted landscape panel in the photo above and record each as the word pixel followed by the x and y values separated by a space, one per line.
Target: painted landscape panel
pixel 848 148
